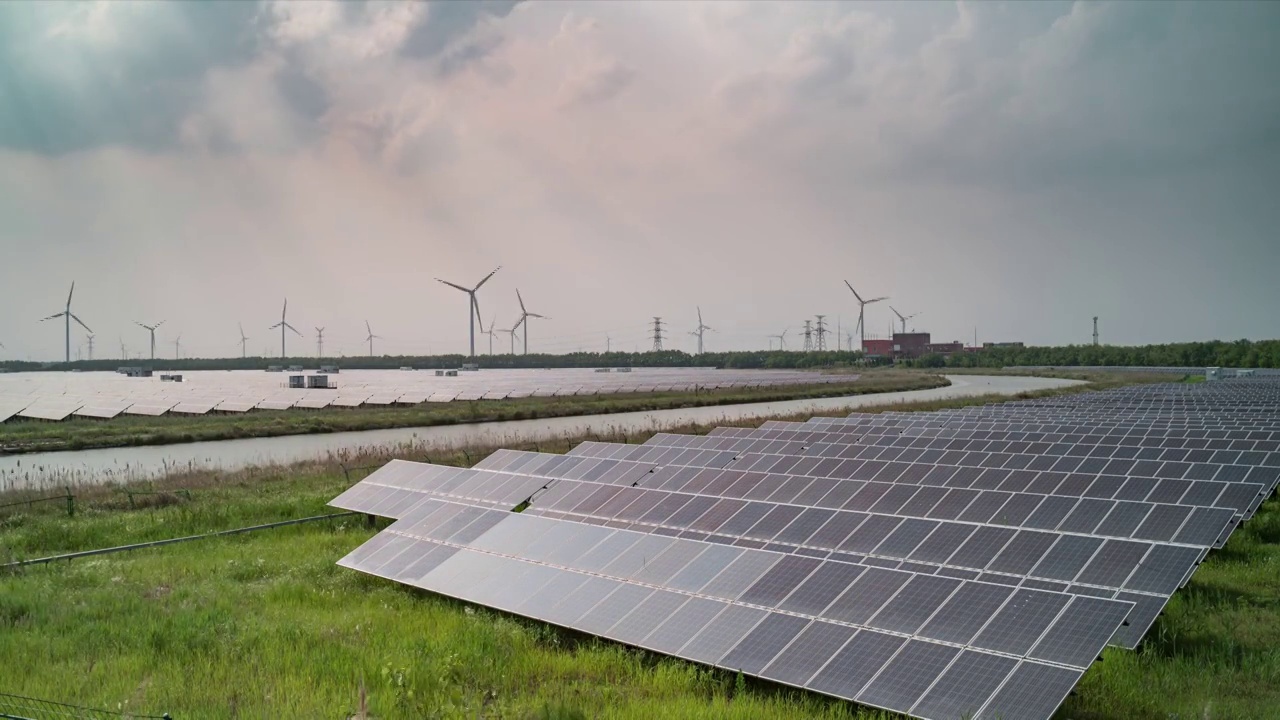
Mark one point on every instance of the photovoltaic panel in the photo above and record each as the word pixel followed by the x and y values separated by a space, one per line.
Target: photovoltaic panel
pixel 966 563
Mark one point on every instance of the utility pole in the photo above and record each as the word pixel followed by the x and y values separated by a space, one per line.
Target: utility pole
pixel 808 336
pixel 822 333
pixel 657 334
pixel 320 343
pixel 1095 331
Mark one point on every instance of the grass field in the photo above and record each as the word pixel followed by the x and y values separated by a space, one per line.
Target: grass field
pixel 78 434
pixel 265 625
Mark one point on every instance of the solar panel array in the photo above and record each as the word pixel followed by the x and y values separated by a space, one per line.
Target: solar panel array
pixel 963 563
pixel 105 395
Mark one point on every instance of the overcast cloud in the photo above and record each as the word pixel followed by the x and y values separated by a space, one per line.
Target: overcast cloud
pixel 1018 167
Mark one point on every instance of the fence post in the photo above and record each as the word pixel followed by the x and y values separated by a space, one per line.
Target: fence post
pixel 71 504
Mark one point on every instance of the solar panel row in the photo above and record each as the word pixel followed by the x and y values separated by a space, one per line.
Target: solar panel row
pixel 968 563
pixel 103 395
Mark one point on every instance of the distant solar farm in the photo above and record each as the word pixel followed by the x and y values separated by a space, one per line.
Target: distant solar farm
pixel 106 395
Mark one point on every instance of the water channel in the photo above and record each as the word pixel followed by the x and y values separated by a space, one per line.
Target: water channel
pixel 79 467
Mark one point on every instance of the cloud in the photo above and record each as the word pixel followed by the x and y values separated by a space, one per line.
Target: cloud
pixel 596 83
pixel 1015 165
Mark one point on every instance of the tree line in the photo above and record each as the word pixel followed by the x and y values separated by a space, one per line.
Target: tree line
pixel 1241 353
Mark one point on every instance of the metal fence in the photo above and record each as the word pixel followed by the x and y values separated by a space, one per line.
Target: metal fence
pixel 18 707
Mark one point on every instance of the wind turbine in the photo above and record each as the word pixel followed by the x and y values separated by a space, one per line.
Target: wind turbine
pixel 177 347
pixel 524 320
pixel 244 339
pixel 474 310
pixel 782 339
pixel 903 318
pixel 512 333
pixel 124 351
pixel 68 316
pixel 320 343
pixel 371 337
pixel 862 309
pixel 701 327
pixel 282 325
pixel 493 328
pixel 151 329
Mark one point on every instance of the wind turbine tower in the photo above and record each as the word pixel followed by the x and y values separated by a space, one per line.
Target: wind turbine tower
pixel 1095 331
pixel 283 325
pixel 371 337
pixel 474 309
pixel 657 334
pixel 177 347
pixel 524 320
pixel 244 352
pixel 862 313
pixel 903 318
pixel 702 327
pixel 68 317
pixel 320 343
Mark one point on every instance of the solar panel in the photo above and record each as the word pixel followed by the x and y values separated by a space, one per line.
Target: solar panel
pixel 936 567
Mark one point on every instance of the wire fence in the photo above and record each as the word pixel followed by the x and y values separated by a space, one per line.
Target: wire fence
pixel 18 707
pixel 30 502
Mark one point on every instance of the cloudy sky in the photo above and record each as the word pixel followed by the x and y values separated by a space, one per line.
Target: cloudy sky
pixel 1018 167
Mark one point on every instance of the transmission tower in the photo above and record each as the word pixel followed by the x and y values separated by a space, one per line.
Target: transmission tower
pixel 822 333
pixel 657 334
pixel 808 336
pixel 90 347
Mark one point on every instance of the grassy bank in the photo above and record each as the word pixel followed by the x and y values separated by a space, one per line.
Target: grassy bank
pixel 79 434
pixel 265 625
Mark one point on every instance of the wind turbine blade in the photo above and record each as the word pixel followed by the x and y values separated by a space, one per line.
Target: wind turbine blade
pixel 476 304
pixel 544 317
pixel 52 317
pixel 285 310
pixel 886 297
pixel 453 285
pixel 159 323
pixel 855 292
pixel 895 312
pixel 699 316
pixel 73 292
pixel 73 317
pixel 366 327
pixel 486 278
pixel 294 329
pixel 521 300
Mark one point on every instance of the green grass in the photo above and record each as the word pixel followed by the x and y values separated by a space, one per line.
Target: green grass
pixel 77 434
pixel 265 625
